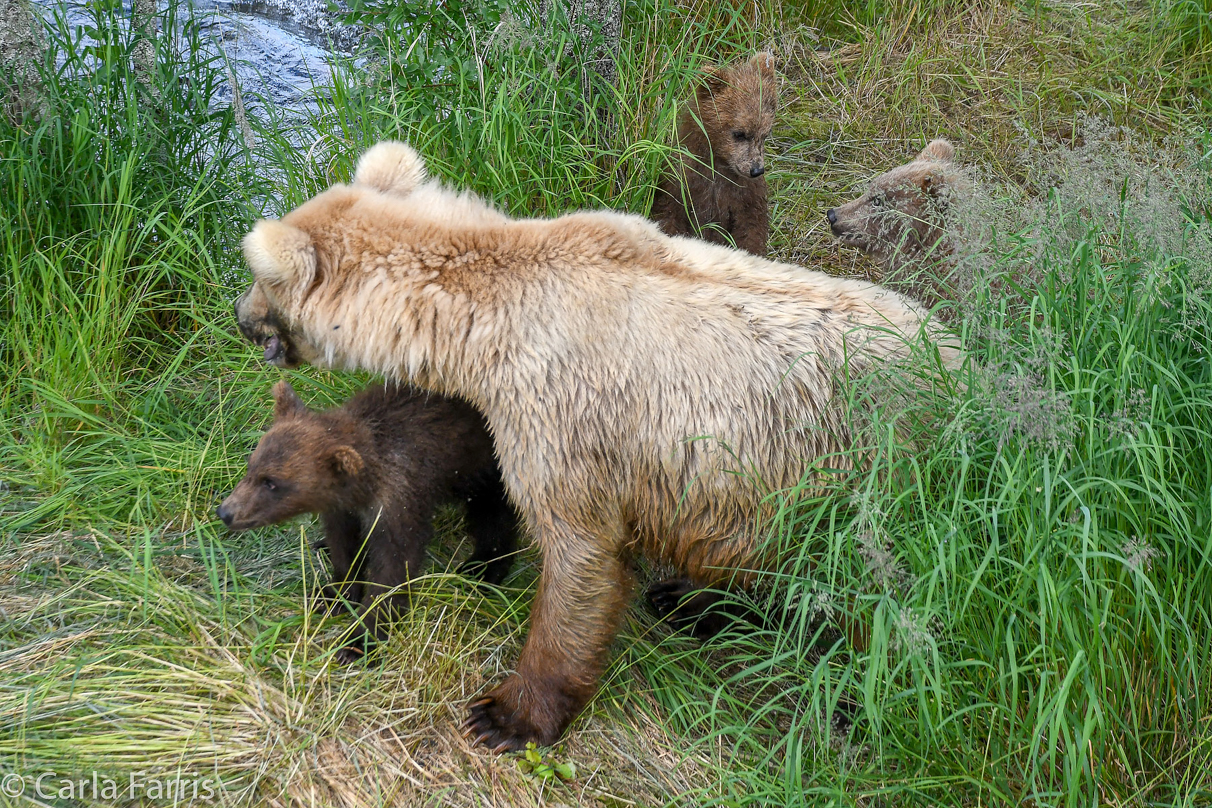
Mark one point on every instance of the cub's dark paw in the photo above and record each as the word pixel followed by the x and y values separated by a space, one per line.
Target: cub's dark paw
pixel 328 601
pixel 490 570
pixel 689 609
pixel 349 654
pixel 356 649
pixel 336 599
pixel 665 596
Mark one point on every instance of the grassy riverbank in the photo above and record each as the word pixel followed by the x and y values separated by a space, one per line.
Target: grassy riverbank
pixel 1031 548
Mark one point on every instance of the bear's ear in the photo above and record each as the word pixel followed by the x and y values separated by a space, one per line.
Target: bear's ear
pixel 347 461
pixel 280 255
pixel 930 182
pixel 939 150
pixel 937 186
pixel 764 62
pixel 715 79
pixel 287 401
pixel 392 167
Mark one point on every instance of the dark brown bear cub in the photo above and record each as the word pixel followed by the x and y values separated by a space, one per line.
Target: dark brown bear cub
pixel 718 192
pixel 375 469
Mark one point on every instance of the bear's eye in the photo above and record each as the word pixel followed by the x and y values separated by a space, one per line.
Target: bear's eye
pixel 269 484
pixel 877 201
pixel 739 134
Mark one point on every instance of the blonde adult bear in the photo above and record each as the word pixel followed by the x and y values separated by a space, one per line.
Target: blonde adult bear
pixel 645 392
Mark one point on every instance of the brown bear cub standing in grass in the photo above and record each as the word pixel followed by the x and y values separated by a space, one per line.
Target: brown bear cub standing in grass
pixel 375 469
pixel 900 220
pixel 645 392
pixel 718 192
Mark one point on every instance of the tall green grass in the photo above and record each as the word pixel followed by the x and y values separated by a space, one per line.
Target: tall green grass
pixel 509 118
pixel 119 227
pixel 1034 572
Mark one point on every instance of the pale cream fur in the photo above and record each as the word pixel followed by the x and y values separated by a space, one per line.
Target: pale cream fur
pixel 645 392
pixel 391 166
pixel 280 254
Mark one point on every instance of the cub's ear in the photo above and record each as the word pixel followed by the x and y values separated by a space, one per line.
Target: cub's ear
pixel 934 185
pixel 764 62
pixel 287 401
pixel 346 460
pixel 392 167
pixel 280 255
pixel 940 150
pixel 715 79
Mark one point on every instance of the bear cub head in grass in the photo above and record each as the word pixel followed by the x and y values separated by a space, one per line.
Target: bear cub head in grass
pixel 717 188
pixel 303 464
pixel 736 106
pixel 902 215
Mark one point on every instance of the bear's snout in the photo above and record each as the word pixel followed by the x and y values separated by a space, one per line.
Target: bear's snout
pixel 224 514
pixel 757 171
pixel 831 215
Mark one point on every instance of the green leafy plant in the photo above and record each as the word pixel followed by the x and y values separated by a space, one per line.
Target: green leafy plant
pixel 534 763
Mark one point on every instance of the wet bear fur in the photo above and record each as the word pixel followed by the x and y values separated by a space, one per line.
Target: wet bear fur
pixel 645 392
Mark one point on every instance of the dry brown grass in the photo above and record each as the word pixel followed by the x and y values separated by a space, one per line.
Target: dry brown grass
pixel 207 661
pixel 117 671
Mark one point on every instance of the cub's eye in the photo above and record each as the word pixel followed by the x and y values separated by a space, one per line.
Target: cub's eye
pixel 877 201
pixel 739 134
pixel 269 484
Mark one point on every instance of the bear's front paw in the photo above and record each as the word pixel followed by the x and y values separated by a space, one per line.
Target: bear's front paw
pixel 493 724
pixel 502 722
pixel 349 654
pixel 666 596
pixel 356 649
pixel 329 601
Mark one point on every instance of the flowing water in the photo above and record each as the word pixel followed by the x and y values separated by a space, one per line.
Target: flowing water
pixel 279 49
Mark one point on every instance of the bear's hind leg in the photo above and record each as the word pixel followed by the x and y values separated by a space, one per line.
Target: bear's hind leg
pixel 491 520
pixel 582 591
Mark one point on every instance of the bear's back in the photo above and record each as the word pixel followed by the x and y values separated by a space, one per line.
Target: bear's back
pixel 421 436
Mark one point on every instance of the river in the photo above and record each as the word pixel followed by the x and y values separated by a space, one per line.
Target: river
pixel 279 49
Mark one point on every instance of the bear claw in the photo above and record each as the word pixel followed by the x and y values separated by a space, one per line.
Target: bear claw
pixel 349 654
pixel 486 729
pixel 666 596
pixel 332 601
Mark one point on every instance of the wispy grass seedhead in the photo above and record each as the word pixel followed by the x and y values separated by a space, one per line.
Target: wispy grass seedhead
pixel 1108 187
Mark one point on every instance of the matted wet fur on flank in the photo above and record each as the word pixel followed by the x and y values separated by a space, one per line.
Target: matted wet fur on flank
pixel 645 392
